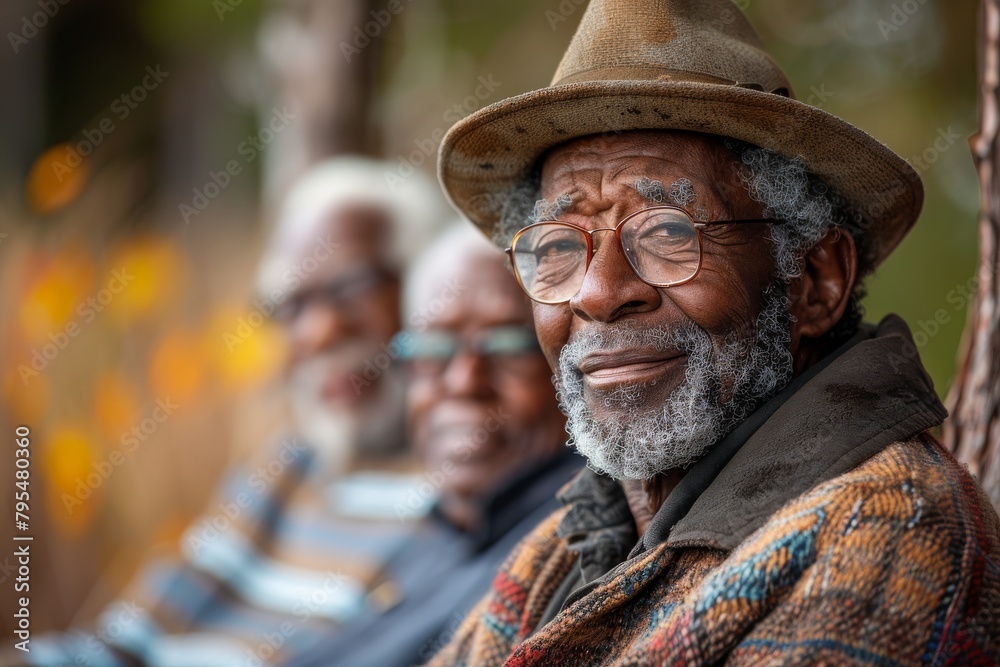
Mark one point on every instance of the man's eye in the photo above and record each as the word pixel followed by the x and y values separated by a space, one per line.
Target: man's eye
pixel 667 229
pixel 558 248
pixel 288 310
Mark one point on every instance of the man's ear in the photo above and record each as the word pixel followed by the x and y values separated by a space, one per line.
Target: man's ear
pixel 821 293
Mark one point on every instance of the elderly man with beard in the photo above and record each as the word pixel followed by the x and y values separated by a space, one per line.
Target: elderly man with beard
pixel 296 542
pixel 764 488
pixel 486 424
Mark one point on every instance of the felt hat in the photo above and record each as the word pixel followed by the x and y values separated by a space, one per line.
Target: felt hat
pixel 695 65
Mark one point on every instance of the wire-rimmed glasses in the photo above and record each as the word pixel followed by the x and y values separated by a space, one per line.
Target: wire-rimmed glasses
pixel 662 244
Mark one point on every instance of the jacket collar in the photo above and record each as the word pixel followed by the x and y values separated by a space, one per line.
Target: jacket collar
pixel 872 394
pixel 869 393
pixel 516 498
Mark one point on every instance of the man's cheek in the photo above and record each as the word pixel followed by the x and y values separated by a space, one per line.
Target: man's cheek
pixel 418 407
pixel 552 325
pixel 714 301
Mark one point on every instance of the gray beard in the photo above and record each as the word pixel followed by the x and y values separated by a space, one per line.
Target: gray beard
pixel 723 383
pixel 341 435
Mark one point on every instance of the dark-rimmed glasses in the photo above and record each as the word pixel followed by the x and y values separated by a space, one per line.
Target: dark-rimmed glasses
pixel 346 293
pixel 662 244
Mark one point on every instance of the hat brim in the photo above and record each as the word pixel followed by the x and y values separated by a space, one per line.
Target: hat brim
pixel 485 154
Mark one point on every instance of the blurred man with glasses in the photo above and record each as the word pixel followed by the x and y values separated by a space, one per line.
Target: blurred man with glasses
pixel 295 543
pixel 485 423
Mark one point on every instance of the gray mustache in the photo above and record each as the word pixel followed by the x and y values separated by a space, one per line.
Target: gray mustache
pixel 688 338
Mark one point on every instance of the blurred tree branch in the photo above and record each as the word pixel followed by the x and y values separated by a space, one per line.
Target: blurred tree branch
pixel 973 429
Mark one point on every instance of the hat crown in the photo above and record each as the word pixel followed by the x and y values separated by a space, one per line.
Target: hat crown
pixel 705 41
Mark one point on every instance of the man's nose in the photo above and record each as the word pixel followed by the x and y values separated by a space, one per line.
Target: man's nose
pixel 319 327
pixel 611 287
pixel 467 375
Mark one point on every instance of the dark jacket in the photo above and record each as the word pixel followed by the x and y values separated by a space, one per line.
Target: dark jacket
pixel 441 573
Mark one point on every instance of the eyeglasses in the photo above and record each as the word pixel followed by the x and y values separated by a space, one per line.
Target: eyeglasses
pixel 661 243
pixel 345 294
pixel 431 351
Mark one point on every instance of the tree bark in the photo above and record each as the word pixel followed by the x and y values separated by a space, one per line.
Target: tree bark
pixel 972 431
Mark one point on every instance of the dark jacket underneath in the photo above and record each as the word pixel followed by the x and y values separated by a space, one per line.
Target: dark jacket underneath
pixel 441 573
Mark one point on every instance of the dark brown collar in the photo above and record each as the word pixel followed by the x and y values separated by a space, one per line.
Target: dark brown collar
pixel 872 394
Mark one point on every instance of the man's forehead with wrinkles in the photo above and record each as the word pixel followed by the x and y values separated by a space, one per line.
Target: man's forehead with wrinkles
pixel 679 193
pixel 662 168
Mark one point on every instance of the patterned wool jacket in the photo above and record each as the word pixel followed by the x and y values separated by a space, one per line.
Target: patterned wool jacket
pixel 831 528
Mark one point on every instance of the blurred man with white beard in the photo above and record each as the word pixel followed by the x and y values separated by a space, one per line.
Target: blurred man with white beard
pixel 340 315
pixel 485 422
pixel 294 544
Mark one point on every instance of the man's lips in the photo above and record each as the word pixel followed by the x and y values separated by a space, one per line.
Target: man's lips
pixel 608 369
pixel 457 436
pixel 338 386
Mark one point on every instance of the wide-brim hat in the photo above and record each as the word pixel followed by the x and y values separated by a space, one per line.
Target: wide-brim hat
pixel 695 65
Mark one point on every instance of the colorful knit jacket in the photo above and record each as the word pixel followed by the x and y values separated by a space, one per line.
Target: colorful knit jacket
pixel 864 544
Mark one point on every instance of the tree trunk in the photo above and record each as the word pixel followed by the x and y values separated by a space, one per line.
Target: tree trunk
pixel 973 430
pixel 323 65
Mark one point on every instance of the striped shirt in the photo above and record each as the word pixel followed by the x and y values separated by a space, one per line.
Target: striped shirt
pixel 280 560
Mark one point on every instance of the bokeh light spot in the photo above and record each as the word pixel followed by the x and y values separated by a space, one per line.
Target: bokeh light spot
pixel 115 404
pixel 57 177
pixel 154 271
pixel 176 367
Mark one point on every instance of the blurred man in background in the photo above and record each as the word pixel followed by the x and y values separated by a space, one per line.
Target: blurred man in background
pixel 484 418
pixel 298 536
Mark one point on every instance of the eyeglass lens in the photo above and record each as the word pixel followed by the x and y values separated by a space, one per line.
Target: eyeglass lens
pixel 551 257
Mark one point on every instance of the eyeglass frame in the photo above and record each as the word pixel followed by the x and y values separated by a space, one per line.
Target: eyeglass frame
pixel 589 234
pixel 367 278
pixel 464 345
